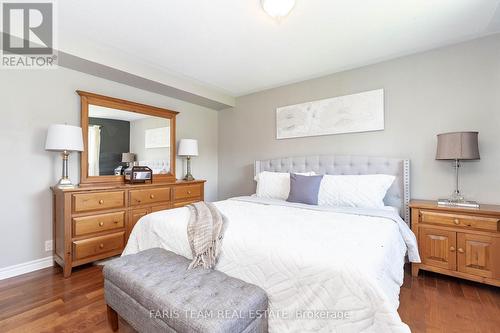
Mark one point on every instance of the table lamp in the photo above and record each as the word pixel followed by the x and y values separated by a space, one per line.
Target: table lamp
pixel 188 148
pixel 128 158
pixel 457 146
pixel 64 139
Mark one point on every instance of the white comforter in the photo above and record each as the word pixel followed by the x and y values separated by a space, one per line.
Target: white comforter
pixel 311 263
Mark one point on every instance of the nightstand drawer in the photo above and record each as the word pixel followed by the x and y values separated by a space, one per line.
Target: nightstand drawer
pixel 461 221
pixel 97 223
pixel 98 245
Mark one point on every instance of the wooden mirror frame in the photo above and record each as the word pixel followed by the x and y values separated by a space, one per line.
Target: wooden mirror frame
pixel 120 104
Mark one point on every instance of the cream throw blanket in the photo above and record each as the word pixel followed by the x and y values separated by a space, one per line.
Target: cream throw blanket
pixel 204 231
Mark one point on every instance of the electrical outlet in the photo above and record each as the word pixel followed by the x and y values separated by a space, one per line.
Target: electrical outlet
pixel 48 245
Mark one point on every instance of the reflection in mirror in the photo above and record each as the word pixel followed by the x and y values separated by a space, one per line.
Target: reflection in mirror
pixel 118 139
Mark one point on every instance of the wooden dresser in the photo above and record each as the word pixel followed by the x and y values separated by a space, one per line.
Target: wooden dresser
pixel 460 242
pixel 93 223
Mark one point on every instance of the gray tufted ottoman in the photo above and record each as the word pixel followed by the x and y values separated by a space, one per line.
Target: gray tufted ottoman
pixel 154 292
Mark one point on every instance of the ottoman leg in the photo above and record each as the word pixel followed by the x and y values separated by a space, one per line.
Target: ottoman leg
pixel 112 318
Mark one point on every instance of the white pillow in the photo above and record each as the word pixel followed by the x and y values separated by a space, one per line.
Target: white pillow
pixel 275 185
pixel 363 191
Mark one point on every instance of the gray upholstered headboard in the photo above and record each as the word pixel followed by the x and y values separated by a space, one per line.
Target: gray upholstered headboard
pixel 397 196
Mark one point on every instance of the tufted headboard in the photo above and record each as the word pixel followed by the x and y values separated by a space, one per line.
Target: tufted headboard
pixel 397 196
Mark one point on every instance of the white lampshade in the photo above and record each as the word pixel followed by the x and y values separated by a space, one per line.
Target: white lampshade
pixel 188 147
pixel 64 137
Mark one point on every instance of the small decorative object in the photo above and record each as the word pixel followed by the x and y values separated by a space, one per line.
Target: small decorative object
pixel 64 139
pixel 118 171
pixel 188 148
pixel 457 146
pixel 362 112
pixel 138 174
pixel 277 9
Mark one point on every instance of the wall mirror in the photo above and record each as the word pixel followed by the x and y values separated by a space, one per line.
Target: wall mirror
pixel 119 133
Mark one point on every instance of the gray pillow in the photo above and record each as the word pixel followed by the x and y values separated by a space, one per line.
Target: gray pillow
pixel 304 189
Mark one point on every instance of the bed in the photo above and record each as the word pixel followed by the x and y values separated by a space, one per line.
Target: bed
pixel 324 269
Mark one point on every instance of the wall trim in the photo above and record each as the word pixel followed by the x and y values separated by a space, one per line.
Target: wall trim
pixel 26 267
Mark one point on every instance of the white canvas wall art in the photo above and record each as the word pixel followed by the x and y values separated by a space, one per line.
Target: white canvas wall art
pixel 360 112
pixel 157 137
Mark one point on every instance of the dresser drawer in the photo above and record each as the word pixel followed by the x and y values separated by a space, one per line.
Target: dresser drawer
pixel 160 208
pixel 184 203
pixel 187 192
pixel 461 221
pixel 83 202
pixel 98 245
pixel 97 223
pixel 142 197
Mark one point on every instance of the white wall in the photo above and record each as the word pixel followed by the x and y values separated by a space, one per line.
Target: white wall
pixel 31 100
pixel 449 89
pixel 138 140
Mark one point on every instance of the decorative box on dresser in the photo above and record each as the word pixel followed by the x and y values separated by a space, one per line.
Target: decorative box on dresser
pixel 461 242
pixel 94 222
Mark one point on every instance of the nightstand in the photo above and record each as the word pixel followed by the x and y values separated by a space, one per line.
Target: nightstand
pixel 461 242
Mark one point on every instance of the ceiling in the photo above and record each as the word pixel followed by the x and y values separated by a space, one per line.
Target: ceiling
pixel 235 48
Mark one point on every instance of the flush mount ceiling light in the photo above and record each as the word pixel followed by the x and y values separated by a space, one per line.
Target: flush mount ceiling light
pixel 277 8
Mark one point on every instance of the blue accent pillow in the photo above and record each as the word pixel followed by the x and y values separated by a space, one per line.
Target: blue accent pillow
pixel 304 189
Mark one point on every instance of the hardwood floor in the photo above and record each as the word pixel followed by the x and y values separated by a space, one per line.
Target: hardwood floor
pixel 438 303
pixel 44 301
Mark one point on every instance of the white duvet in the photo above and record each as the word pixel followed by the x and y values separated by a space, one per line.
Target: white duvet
pixel 323 271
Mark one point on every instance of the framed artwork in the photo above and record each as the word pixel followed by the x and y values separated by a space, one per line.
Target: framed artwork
pixel 157 137
pixel 361 112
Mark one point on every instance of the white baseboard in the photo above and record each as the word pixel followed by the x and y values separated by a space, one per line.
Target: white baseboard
pixel 26 267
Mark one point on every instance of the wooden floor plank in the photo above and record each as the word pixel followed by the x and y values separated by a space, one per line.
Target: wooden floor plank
pixel 456 290
pixel 32 315
pixel 44 301
pixel 470 291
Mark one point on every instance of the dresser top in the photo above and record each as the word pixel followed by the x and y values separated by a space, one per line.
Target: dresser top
pixel 431 204
pixel 125 186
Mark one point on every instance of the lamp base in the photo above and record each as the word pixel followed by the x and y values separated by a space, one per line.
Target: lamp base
pixel 65 183
pixel 458 203
pixel 188 177
pixel 457 200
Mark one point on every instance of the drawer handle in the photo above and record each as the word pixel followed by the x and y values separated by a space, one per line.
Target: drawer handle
pixel 101 202
pixel 101 224
pixel 460 250
pixel 452 249
pixel 152 196
pixel 456 221
pixel 101 246
pixel 115 222
pixel 189 192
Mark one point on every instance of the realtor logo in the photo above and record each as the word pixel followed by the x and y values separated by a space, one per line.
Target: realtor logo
pixel 28 35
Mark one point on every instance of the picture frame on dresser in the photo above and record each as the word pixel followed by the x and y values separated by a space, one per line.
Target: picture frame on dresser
pixel 93 221
pixel 457 241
